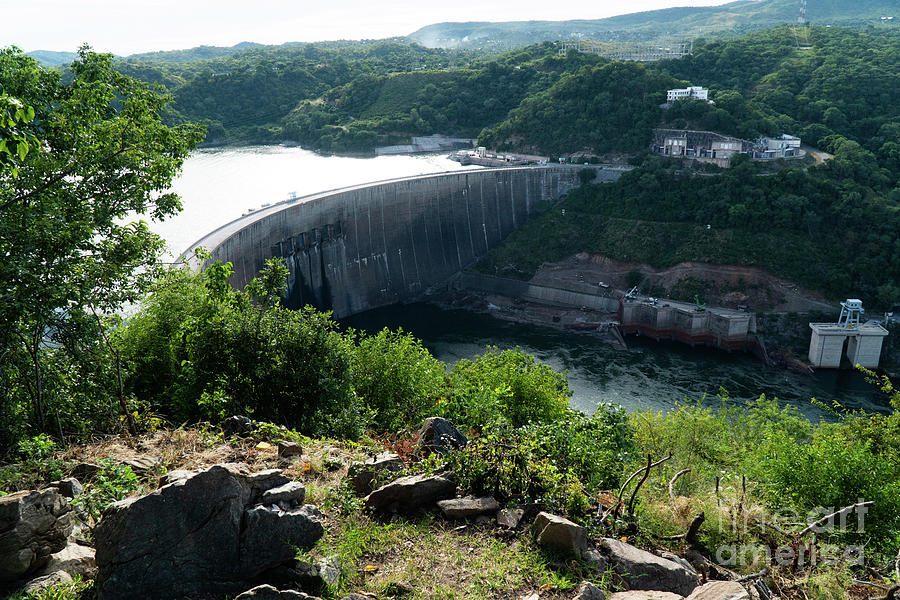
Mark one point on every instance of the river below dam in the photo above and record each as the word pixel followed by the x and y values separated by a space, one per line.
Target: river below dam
pixel 220 185
pixel 650 375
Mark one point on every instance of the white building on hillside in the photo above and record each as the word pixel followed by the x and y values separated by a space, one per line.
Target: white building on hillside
pixel 697 92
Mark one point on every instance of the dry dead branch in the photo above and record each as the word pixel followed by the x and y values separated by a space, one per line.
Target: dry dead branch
pixel 672 485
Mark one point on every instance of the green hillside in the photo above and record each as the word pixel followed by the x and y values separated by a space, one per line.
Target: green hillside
pixel 743 15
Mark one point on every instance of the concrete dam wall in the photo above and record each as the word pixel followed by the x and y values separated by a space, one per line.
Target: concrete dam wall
pixel 373 245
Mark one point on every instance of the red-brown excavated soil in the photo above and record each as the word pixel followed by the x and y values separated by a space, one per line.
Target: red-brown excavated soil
pixel 726 285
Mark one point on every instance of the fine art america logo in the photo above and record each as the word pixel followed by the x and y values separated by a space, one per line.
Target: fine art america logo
pixel 799 552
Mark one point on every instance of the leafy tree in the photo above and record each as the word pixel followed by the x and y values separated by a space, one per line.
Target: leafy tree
pixel 397 379
pixel 505 387
pixel 201 350
pixel 72 251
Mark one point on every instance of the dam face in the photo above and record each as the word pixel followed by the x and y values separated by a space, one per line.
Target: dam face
pixel 373 245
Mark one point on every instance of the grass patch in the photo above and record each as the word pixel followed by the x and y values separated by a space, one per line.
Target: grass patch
pixel 436 560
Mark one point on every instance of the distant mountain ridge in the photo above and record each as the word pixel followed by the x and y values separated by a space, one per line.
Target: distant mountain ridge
pixel 739 16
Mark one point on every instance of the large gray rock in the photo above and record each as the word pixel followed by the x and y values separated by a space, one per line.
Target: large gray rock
pixel 720 590
pixel 268 592
pixel 33 525
pixel 559 534
pixel 39 584
pixel 290 493
pixel 202 534
pixel 509 517
pixel 588 591
pixel 439 435
pixel 645 595
pixel 363 475
pixel 74 560
pixel 411 493
pixel 642 570
pixel 464 508
pixel 69 487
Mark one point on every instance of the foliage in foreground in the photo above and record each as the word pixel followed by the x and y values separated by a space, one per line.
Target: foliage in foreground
pixel 773 457
pixel 561 463
pixel 92 156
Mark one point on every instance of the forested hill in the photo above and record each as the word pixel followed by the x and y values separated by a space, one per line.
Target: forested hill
pixel 244 97
pixel 743 15
pixel 354 96
pixel 833 227
pixel 761 84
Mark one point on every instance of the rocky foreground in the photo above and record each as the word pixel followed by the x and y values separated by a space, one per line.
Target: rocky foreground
pixel 232 531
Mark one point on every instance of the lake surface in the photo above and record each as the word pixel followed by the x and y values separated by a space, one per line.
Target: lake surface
pixel 218 186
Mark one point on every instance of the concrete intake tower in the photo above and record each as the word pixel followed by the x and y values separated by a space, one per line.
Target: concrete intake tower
pixel 862 340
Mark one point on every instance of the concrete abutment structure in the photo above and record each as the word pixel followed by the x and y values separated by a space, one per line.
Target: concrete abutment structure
pixel 373 245
pixel 863 343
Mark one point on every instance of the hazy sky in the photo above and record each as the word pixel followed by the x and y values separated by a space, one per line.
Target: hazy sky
pixel 129 26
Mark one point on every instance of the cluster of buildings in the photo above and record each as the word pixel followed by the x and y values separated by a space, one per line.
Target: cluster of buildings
pixel 711 147
pixel 708 146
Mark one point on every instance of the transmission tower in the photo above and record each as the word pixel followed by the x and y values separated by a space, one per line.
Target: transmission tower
pixel 801 31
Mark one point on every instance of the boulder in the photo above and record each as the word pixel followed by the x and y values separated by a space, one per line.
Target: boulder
pixel 173 476
pixel 595 560
pixel 642 570
pixel 74 560
pixel 720 590
pixel 33 526
pixel 143 464
pixel 588 591
pixel 356 597
pixel 238 425
pixel 288 450
pixel 43 582
pixel 85 472
pixel 440 436
pixel 291 492
pixel 202 534
pixel 363 475
pixel 399 589
pixel 463 508
pixel 69 488
pixel 681 561
pixel 509 518
pixel 559 534
pixel 268 592
pixel 411 493
pixel 645 595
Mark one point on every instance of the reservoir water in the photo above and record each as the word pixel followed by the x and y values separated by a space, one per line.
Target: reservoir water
pixel 218 186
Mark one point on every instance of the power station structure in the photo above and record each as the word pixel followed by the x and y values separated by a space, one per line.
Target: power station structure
pixel 861 340
pixel 636 51
pixel 801 31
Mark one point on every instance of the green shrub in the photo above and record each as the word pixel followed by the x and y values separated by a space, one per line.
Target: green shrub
pixel 560 463
pixel 396 378
pixel 77 589
pixel 111 483
pixel 38 447
pixel 504 387
pixel 200 350
pixel 835 470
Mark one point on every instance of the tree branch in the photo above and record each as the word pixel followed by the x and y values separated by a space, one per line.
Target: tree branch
pixel 672 485
pixel 844 510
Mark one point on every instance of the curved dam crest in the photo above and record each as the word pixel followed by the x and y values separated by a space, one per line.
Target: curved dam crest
pixel 355 249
